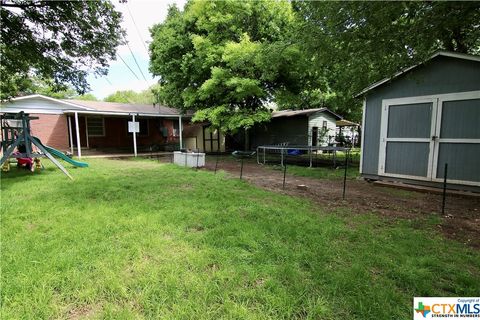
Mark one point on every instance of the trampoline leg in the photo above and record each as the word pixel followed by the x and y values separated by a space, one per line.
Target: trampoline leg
pixel 281 152
pixel 263 155
pixel 310 157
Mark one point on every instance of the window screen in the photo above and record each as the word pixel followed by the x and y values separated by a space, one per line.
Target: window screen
pixel 96 127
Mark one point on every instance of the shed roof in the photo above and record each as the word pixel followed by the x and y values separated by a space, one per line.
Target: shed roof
pixel 305 112
pixel 436 54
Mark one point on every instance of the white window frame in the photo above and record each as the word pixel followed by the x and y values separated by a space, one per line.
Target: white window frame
pixel 89 134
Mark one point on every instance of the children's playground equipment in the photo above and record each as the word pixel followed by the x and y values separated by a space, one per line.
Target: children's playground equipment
pixel 15 129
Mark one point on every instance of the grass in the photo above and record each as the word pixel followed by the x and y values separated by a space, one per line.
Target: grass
pixel 138 239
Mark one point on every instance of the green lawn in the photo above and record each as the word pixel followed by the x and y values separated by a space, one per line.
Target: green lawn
pixel 138 239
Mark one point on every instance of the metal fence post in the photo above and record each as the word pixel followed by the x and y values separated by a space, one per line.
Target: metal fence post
pixel 345 174
pixel 241 169
pixel 216 163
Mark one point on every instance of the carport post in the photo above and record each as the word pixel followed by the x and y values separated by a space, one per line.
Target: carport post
pixel 180 129
pixel 134 133
pixel 77 131
pixel 70 133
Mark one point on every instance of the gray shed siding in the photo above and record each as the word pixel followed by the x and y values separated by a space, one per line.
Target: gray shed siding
pixel 438 76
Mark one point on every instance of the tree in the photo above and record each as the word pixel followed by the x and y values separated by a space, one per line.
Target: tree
pixel 86 97
pixel 130 96
pixel 357 43
pixel 227 60
pixel 58 40
pixel 48 88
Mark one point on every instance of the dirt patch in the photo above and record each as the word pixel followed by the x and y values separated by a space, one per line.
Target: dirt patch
pixel 83 312
pixel 460 222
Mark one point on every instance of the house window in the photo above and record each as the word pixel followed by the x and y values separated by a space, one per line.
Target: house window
pixel 96 127
pixel 324 126
pixel 143 123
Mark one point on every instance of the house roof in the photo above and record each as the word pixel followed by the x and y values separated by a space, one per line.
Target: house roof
pixel 436 54
pixel 102 106
pixel 305 112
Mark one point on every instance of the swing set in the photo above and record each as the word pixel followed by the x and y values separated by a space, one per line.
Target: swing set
pixel 16 134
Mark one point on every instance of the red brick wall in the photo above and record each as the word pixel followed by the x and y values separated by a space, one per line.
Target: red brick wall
pixel 52 129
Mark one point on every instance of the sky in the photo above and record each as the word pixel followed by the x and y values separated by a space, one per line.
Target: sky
pixel 137 15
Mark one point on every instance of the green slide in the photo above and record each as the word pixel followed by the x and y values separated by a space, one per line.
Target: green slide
pixel 61 155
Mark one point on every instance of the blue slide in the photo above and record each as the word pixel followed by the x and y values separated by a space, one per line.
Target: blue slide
pixel 61 155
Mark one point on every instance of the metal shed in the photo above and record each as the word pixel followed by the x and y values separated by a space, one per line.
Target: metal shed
pixel 422 118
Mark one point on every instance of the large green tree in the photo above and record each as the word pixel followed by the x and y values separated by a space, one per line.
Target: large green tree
pixel 57 40
pixel 227 60
pixel 356 43
pixel 130 96
pixel 47 88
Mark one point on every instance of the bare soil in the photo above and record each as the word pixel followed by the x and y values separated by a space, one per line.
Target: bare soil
pixel 461 220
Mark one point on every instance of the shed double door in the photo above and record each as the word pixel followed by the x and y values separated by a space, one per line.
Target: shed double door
pixel 420 134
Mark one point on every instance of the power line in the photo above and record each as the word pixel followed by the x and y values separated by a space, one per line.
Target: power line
pixel 108 81
pixel 135 59
pixel 136 28
pixel 128 67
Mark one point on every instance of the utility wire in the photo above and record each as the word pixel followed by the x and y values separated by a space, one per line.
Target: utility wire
pixel 128 67
pixel 136 28
pixel 108 81
pixel 135 59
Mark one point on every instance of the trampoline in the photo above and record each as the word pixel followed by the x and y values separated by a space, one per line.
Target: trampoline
pixel 284 150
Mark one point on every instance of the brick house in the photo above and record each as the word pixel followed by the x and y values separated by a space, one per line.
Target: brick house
pixel 73 125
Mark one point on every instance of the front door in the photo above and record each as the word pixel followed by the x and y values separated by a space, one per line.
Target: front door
pixel 314 136
pixel 420 134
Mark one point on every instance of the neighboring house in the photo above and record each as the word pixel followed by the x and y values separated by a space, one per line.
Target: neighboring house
pixel 203 137
pixel 421 119
pixel 312 127
pixel 67 124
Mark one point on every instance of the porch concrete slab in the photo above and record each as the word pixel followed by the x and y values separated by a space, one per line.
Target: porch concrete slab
pixel 128 155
